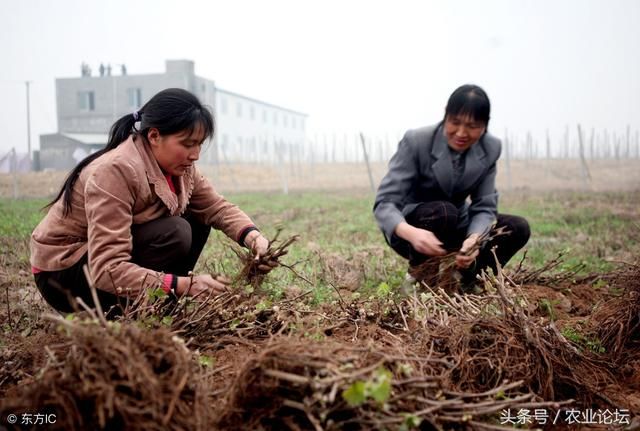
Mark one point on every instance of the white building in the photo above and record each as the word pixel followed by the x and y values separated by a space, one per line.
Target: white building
pixel 247 129
pixel 251 130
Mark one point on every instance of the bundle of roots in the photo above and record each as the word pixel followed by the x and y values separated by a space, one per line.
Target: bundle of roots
pixel 547 274
pixel 493 338
pixel 441 271
pixel 255 270
pixel 298 385
pixel 617 322
pixel 208 321
pixel 118 376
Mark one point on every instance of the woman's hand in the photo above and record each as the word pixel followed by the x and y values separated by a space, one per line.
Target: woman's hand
pixel 422 240
pixel 202 285
pixel 465 256
pixel 257 243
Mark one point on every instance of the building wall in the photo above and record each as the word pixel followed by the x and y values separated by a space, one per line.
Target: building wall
pixel 246 129
pixel 251 130
pixel 58 152
pixel 206 91
pixel 111 96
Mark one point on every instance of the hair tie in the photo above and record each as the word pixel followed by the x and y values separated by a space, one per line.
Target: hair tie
pixel 136 116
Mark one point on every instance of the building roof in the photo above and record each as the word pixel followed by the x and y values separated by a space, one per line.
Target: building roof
pixel 191 68
pixel 231 93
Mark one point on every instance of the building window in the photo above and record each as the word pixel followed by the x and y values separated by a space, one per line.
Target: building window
pixel 275 118
pixel 264 115
pixel 86 101
pixel 252 112
pixel 134 95
pixel 284 120
pixel 239 109
pixel 293 122
pixel 223 105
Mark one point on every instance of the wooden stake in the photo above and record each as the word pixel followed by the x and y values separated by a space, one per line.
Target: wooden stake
pixel 366 161
pixel 586 175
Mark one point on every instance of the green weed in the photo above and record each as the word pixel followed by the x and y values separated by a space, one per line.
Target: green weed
pixel 596 228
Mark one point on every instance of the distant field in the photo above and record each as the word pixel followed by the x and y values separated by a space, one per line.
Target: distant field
pixel 520 175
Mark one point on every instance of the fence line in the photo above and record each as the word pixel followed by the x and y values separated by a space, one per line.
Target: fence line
pixel 542 175
pixel 293 161
pixel 333 147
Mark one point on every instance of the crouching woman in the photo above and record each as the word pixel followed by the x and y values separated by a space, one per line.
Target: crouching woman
pixel 138 212
pixel 439 195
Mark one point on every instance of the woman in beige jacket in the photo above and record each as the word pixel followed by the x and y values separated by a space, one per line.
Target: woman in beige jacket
pixel 138 213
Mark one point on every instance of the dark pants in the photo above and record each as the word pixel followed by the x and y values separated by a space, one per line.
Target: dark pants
pixel 441 218
pixel 170 244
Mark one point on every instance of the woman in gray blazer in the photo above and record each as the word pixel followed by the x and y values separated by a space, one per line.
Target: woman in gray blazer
pixel 439 195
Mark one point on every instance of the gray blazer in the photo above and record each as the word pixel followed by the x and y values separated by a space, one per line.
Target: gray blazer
pixel 421 171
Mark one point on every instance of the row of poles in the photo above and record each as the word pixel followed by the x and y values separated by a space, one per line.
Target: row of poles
pixel 289 159
pixel 590 144
pixel 583 148
pixel 299 158
pixel 347 148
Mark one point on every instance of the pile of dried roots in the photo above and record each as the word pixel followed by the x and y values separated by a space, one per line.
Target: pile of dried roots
pixel 297 385
pixel 113 376
pixel 432 360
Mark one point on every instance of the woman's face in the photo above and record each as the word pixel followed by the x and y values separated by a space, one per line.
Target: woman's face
pixel 462 131
pixel 176 153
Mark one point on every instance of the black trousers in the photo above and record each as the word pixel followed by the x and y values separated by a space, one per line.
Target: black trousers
pixel 170 244
pixel 441 218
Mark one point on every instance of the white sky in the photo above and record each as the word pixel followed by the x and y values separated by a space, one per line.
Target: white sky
pixel 351 65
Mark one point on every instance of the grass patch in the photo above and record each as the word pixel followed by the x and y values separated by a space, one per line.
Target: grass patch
pixel 338 236
pixel 592 229
pixel 19 217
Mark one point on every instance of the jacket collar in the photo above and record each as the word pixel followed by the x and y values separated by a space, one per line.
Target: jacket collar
pixel 443 168
pixel 176 204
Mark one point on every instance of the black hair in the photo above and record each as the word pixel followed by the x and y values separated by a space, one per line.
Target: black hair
pixel 469 100
pixel 171 111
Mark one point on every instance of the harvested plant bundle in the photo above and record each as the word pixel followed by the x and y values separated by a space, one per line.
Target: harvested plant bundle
pixel 118 376
pixel 255 270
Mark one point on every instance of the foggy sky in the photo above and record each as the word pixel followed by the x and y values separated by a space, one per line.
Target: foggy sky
pixel 351 65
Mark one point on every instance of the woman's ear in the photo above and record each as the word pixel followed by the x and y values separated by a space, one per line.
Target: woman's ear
pixel 153 136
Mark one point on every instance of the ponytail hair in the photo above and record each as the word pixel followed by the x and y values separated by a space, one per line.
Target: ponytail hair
pixel 171 111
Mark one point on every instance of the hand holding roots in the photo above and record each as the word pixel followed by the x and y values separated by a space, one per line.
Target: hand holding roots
pixel 255 269
pixel 439 269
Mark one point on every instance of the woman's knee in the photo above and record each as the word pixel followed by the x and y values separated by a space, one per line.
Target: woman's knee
pixel 178 236
pixel 520 230
pixel 54 294
pixel 170 236
pixel 437 215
